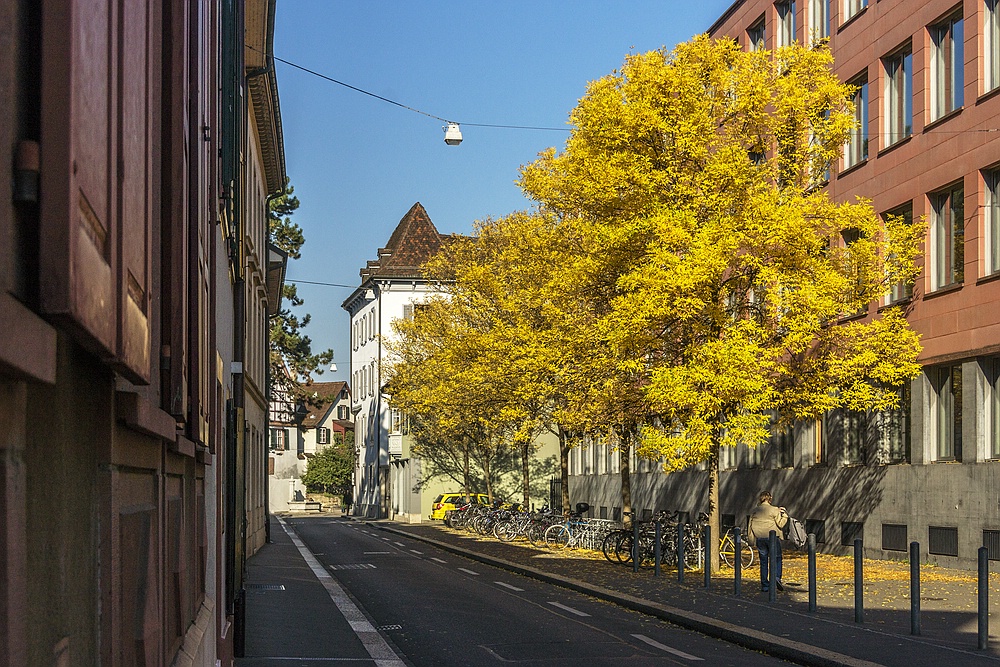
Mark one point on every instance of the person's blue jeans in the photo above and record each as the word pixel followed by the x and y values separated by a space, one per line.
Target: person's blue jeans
pixel 763 548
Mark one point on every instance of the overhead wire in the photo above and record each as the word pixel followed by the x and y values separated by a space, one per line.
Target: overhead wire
pixel 326 77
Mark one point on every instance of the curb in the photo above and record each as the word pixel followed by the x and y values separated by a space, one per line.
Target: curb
pixel 786 649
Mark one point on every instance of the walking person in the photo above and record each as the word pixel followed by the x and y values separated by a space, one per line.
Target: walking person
pixel 765 518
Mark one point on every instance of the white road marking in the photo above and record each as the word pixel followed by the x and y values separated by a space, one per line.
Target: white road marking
pixel 475 574
pixel 399 544
pixel 509 587
pixel 664 647
pixel 569 609
pixel 419 553
pixel 377 647
pixel 439 560
pixel 377 553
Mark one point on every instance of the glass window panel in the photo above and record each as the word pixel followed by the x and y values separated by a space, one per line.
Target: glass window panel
pixel 948 237
pixel 898 95
pixel 856 150
pixel 947 66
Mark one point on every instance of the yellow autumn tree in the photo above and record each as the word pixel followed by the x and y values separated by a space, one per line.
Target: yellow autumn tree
pixel 740 289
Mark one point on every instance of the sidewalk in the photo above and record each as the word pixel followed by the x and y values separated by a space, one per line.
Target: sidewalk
pixel 784 629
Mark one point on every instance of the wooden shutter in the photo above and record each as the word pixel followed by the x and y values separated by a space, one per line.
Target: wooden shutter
pixel 96 177
pixel 75 263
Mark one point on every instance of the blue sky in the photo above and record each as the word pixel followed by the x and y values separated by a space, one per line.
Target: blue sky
pixel 358 164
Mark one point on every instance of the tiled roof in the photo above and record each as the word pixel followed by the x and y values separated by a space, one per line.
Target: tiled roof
pixel 414 241
pixel 322 395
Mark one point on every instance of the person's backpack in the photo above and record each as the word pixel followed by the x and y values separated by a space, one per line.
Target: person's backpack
pixel 795 533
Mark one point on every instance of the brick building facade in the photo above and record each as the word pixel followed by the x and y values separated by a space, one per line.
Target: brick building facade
pixel 927 77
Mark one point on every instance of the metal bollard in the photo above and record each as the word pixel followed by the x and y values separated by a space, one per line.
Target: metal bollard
pixel 680 553
pixel 811 548
pixel 772 566
pixel 656 549
pixel 914 588
pixel 859 581
pixel 706 551
pixel 635 545
pixel 984 598
pixel 738 562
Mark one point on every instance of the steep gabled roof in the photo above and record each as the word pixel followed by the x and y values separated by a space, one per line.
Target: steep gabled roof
pixel 414 241
pixel 322 396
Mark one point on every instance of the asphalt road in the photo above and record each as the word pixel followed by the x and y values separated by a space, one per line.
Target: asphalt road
pixel 436 609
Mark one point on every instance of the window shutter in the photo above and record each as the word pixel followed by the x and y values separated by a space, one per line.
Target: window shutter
pixel 134 165
pixel 76 223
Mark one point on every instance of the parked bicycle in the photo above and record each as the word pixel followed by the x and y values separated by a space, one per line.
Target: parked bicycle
pixel 569 532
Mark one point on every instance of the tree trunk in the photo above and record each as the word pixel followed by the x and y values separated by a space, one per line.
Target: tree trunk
pixel 714 517
pixel 465 473
pixel 526 474
pixel 489 480
pixel 564 469
pixel 624 456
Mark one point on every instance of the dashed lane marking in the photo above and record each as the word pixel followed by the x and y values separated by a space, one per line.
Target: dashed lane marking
pixel 509 587
pixel 419 553
pixel 475 574
pixel 569 609
pixel 668 649
pixel 443 562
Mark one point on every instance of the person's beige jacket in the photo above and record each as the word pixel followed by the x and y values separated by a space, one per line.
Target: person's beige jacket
pixel 766 518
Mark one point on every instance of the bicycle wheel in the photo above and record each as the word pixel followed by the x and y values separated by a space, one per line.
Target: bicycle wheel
pixel 746 554
pixel 609 545
pixel 557 536
pixel 623 547
pixel 727 551
pixel 536 533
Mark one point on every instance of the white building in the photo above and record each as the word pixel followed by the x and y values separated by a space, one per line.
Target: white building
pixel 386 479
pixel 299 429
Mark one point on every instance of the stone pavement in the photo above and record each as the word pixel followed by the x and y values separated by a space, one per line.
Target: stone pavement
pixel 786 629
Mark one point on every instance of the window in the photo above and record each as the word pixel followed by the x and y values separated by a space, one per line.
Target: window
pixel 343 412
pixel 901 291
pixel 727 458
pixel 322 436
pixel 948 237
pixel 991 46
pixel 820 440
pixel 992 368
pixel 894 429
pixel 946 384
pixel 854 436
pixel 784 445
pixel 898 95
pixel 852 8
pixel 857 295
pixel 856 150
pixel 753 457
pixel 756 38
pixel 991 228
pixel 408 311
pixel 786 22
pixel 278 441
pixel 396 422
pixel 947 66
pixel 819 19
